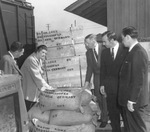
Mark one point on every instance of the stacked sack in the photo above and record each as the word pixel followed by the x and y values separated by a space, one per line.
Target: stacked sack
pixel 64 110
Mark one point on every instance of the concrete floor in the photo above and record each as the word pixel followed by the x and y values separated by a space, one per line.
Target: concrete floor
pixel 108 127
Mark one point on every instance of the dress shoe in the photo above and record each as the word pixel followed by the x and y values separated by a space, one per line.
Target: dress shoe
pixel 103 124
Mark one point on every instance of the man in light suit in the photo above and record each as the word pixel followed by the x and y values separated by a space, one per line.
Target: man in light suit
pixel 133 82
pixel 111 60
pixel 93 56
pixel 8 62
pixel 32 76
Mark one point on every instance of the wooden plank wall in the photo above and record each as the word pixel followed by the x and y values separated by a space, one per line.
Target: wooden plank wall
pixel 122 13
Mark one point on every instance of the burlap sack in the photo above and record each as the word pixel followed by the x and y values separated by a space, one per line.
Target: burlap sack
pixel 60 99
pixel 36 112
pixel 43 127
pixel 68 118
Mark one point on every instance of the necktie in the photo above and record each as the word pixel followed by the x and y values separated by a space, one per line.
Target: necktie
pixel 112 53
pixel 96 55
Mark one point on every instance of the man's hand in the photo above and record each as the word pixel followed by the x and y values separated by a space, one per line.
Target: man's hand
pixel 130 105
pixel 94 98
pixel 102 90
pixel 43 89
pixel 87 85
pixel 47 88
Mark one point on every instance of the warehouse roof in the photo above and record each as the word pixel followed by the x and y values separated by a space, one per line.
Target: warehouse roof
pixel 94 10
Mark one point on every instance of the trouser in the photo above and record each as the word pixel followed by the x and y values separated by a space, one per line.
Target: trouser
pixel 135 120
pixel 101 99
pixel 103 107
pixel 114 112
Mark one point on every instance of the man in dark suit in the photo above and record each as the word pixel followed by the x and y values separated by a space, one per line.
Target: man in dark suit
pixel 8 62
pixel 93 56
pixel 111 60
pixel 133 82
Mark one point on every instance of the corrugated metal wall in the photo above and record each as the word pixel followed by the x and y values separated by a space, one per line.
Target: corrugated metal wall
pixel 122 13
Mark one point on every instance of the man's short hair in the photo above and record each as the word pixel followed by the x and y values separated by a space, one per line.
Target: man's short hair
pixel 110 35
pixel 90 36
pixel 99 38
pixel 131 31
pixel 41 47
pixel 16 46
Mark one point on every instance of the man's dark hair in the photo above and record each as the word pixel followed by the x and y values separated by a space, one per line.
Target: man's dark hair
pixel 110 35
pixel 41 47
pixel 131 31
pixel 16 46
pixel 99 38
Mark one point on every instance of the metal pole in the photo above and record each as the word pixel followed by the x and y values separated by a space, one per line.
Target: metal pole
pixel 80 69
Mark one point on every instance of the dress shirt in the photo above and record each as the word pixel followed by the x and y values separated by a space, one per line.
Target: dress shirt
pixel 96 50
pixel 115 50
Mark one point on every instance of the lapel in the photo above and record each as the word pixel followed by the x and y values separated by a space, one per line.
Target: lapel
pixel 15 65
pixel 133 50
pixel 118 52
pixel 108 55
pixel 93 55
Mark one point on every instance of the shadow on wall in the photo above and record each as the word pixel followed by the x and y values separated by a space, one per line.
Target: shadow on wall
pixel 28 49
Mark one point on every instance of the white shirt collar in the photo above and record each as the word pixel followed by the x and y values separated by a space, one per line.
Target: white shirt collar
pixel 11 54
pixel 132 46
pixel 96 48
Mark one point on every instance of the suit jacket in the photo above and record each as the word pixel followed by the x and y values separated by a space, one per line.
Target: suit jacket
pixel 93 65
pixel 133 82
pixel 32 78
pixel 110 69
pixel 9 66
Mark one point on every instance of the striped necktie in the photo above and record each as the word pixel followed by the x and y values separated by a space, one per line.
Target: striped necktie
pixel 112 53
pixel 96 55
